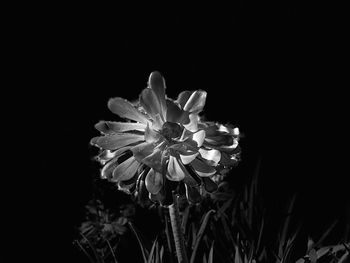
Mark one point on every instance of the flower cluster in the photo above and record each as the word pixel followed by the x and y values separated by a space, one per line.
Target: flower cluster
pixel 165 140
pixel 102 224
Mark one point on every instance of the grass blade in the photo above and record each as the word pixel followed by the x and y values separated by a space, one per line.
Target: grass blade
pixel 325 234
pixel 84 251
pixel 200 234
pixel 285 227
pixel 211 253
pixel 238 258
pixel 150 256
pixel 110 247
pixel 98 258
pixel 142 247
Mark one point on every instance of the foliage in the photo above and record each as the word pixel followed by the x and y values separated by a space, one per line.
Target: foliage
pixel 227 226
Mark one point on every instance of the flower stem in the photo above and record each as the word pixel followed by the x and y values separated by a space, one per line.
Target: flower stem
pixel 177 233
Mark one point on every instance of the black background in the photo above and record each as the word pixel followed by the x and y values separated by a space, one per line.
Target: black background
pixel 274 69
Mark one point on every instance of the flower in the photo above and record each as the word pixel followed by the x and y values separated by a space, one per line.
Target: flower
pixel 101 224
pixel 164 140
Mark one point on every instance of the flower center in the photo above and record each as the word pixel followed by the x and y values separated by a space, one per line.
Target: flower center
pixel 171 130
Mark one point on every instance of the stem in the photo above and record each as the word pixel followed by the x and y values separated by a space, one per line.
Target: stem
pixel 177 233
pixel 168 236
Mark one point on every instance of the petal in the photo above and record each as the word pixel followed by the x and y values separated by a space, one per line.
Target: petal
pixel 107 170
pixel 227 129
pixel 183 98
pixel 230 147
pixel 107 155
pixel 157 122
pixel 202 169
pixel 220 140
pixel 186 159
pixel 151 135
pixel 116 141
pixel 111 127
pixel 228 160
pixel 199 137
pixel 192 194
pixel 150 102
pixel 121 155
pixel 142 150
pixel 185 135
pixel 126 170
pixel 157 83
pixel 213 156
pixel 125 109
pixel 209 185
pixel 126 188
pixel 154 181
pixel 175 114
pixel 196 102
pixel 193 124
pixel 212 130
pixel 175 171
pixel 154 160
pixel 192 179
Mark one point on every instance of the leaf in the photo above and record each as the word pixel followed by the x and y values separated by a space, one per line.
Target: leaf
pixel 290 243
pixel 150 257
pixel 161 254
pixel 111 250
pixel 325 234
pixel 185 215
pixel 200 234
pixel 226 228
pixel 238 258
pixel 84 251
pixel 285 227
pixel 97 256
pixel 211 253
pixel 344 257
pixel 141 244
pixel 205 258
pixel 313 256
pixel 223 208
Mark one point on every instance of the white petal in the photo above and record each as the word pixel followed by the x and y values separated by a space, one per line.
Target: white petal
pixel 126 170
pixel 213 155
pixel 223 128
pixel 193 125
pixel 154 181
pixel 231 147
pixel 175 171
pixel 196 101
pixel 199 137
pixel 186 159
pixel 202 169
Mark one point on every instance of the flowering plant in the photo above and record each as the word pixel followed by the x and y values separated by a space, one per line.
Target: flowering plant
pixel 164 141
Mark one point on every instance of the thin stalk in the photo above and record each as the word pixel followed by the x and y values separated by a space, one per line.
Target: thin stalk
pixel 177 233
pixel 168 236
pixel 85 252
pixel 110 247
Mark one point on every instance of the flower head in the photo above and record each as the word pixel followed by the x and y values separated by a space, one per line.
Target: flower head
pixel 164 140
